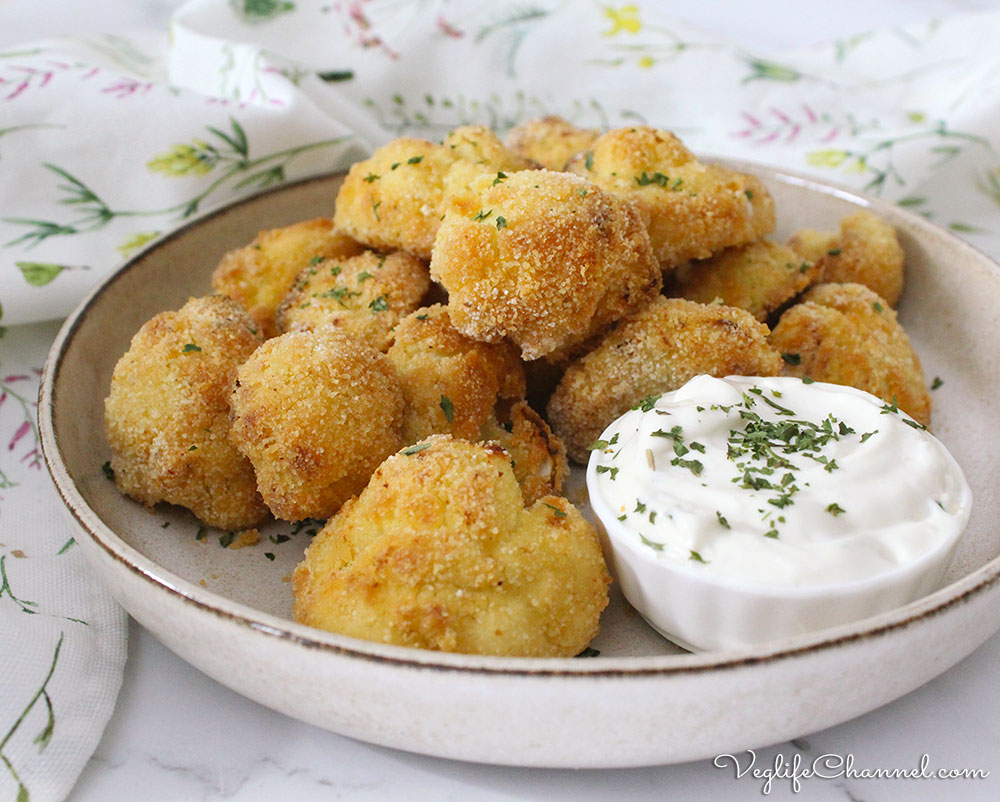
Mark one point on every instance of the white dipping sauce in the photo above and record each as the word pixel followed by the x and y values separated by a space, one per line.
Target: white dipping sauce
pixel 779 481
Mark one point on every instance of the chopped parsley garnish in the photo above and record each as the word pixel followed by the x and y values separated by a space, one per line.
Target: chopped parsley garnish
pixel 201 534
pixel 608 469
pixel 600 445
pixel 648 402
pixel 107 470
pixel 792 359
pixel 226 539
pixel 191 347
pixel 833 252
pixel 588 160
pixel 590 651
pixel 416 448
pixel 482 214
pixel 447 408
pixel 697 557
pixel 375 209
pixel 316 260
pixel 501 222
pixel 371 177
pixel 651 543
pixel 414 160
pixel 555 510
pixel 501 175
pixel 722 520
pixel 938 381
pixel 658 178
pixel 692 465
pixel 835 509
pixel 380 304
pixel 269 555
pixel 363 276
pixel 639 506
pixel 877 306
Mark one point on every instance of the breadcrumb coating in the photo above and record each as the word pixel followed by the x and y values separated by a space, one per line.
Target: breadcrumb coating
pixel 759 277
pixel 315 412
pixel 395 199
pixel 655 351
pixel 365 296
pixel 167 414
pixel 550 141
pixel 547 260
pixel 691 209
pixel 260 274
pixel 865 251
pixel 537 455
pixel 450 382
pixel 440 552
pixel 847 334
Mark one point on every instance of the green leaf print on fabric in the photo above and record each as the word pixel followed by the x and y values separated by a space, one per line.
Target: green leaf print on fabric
pixel 38 274
pixel 260 10
pixel 44 737
pixel 224 152
pixel 512 26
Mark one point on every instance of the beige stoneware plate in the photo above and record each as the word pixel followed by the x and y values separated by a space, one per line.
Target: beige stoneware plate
pixel 641 701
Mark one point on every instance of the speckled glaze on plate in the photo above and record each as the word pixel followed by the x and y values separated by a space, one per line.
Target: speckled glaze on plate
pixel 642 701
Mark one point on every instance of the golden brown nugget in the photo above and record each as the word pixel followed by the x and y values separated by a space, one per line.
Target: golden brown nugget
pixel 691 209
pixel 547 260
pixel 364 296
pixel 440 552
pixel 550 141
pixel 395 199
pixel 451 383
pixel 537 455
pixel 392 201
pixel 653 352
pixel 261 274
pixel 167 414
pixel 847 334
pixel 315 412
pixel 760 277
pixel 479 152
pixel 866 251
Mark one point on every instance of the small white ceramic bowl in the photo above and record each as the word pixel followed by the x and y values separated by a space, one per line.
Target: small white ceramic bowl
pixel 700 609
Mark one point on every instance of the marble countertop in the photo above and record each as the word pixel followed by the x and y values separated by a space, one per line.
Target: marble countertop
pixel 178 735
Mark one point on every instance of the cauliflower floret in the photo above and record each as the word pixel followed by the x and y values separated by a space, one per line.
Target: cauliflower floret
pixel 167 414
pixel 440 552
pixel 315 412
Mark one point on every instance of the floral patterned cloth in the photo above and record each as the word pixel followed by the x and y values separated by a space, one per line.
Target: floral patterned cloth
pixel 107 142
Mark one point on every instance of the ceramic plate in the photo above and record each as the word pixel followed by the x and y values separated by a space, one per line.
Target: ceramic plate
pixel 641 701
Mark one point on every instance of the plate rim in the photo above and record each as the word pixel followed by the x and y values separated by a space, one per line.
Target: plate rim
pixel 206 601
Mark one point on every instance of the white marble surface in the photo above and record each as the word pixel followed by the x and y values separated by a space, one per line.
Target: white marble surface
pixel 177 735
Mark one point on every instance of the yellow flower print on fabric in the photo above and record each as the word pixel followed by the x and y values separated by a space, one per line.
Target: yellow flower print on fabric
pixel 826 158
pixel 624 19
pixel 196 159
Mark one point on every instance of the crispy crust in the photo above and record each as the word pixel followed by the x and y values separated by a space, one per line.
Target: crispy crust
pixel 444 373
pixel 865 251
pixel 260 274
pixel 692 210
pixel 759 277
pixel 550 141
pixel 365 296
pixel 847 334
pixel 167 414
pixel 315 412
pixel 547 261
pixel 439 552
pixel 655 351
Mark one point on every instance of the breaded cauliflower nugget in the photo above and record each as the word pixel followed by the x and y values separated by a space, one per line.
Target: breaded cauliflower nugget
pixel 865 251
pixel 655 351
pixel 847 334
pixel 395 199
pixel 759 277
pixel 440 552
pixel 537 455
pixel 450 382
pixel 260 274
pixel 392 200
pixel 550 141
pixel 364 296
pixel 167 415
pixel 479 151
pixel 547 260
pixel 315 412
pixel 692 210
